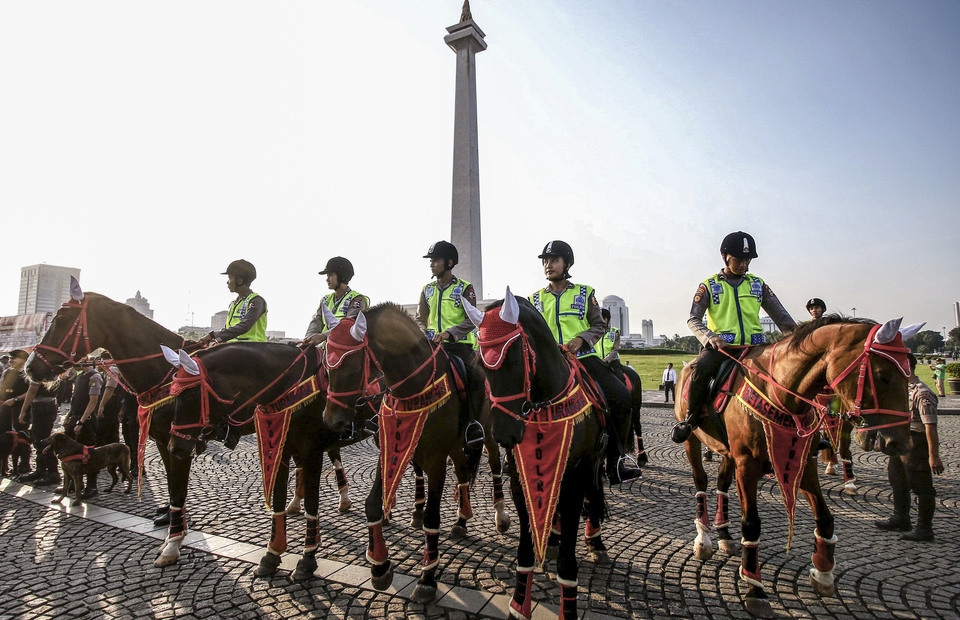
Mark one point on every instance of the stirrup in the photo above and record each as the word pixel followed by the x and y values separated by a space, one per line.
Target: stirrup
pixel 371 426
pixel 473 434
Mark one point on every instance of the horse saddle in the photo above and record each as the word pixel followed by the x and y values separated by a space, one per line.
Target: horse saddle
pixel 720 387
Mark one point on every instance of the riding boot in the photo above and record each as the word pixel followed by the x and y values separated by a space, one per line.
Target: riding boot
pixel 924 530
pixel 683 430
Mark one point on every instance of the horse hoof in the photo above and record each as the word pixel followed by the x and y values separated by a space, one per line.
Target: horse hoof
pixel 166 560
pixel 599 557
pixel 293 508
pixel 268 565
pixel 828 587
pixel 305 568
pixel 503 525
pixel 759 608
pixel 727 547
pixel 416 519
pixel 702 552
pixel 345 504
pixel 850 488
pixel 458 532
pixel 384 581
pixel 830 470
pixel 423 594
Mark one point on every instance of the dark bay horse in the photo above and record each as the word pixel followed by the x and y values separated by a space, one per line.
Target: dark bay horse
pixel 774 423
pixel 277 391
pixel 422 419
pixel 545 414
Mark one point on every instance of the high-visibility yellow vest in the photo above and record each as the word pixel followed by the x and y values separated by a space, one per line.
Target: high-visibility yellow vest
pixel 238 310
pixel 446 308
pixel 568 318
pixel 339 309
pixel 734 313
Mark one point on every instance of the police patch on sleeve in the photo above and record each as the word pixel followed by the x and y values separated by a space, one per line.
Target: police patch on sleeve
pixel 701 293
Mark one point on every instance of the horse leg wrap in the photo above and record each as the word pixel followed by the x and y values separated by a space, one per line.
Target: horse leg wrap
pixel 278 533
pixel 419 492
pixel 463 493
pixel 591 530
pixel 497 489
pixel 823 552
pixel 750 562
pixel 520 604
pixel 299 489
pixel 702 512
pixel 178 522
pixel 722 516
pixel 312 540
pixel 341 476
pixel 376 545
pixel 431 554
pixel 568 599
pixel 848 471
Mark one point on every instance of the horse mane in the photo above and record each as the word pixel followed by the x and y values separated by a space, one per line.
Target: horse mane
pixel 805 330
pixel 389 306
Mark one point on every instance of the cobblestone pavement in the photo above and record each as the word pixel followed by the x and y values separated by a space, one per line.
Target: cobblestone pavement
pixel 97 561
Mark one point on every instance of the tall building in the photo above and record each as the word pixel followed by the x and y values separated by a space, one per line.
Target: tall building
pixel 141 305
pixel 466 39
pixel 646 326
pixel 44 288
pixel 619 313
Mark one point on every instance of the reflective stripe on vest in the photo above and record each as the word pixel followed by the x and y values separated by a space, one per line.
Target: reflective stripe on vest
pixel 734 312
pixel 446 309
pixel 568 319
pixel 235 314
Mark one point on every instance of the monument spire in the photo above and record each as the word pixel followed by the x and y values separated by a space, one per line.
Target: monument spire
pixel 466 39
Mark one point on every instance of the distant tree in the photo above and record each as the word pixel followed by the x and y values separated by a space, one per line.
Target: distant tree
pixel 927 341
pixel 953 340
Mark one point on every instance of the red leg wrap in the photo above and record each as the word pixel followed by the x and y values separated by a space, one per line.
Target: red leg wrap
pixel 419 492
pixel 702 513
pixel 848 471
pixel 376 545
pixel 312 540
pixel 278 533
pixel 823 552
pixel 341 477
pixel 750 562
pixel 521 594
pixel 590 529
pixel 722 517
pixel 463 492
pixel 431 554
pixel 568 601
pixel 178 522
pixel 497 489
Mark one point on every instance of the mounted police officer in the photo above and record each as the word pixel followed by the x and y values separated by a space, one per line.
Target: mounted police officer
pixel 343 302
pixel 732 300
pixel 247 314
pixel 441 315
pixel 816 307
pixel 573 315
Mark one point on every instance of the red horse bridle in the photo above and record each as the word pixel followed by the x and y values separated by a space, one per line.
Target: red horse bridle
pixel 495 337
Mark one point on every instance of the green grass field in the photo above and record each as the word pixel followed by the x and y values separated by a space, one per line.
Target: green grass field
pixel 651 367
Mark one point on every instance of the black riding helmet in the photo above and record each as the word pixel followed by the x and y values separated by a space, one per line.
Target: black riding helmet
pixel 340 266
pixel 242 268
pixel 816 301
pixel 561 249
pixel 739 245
pixel 444 250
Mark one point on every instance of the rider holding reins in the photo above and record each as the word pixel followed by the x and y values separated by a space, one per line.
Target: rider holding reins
pixel 732 300
pixel 247 314
pixel 343 302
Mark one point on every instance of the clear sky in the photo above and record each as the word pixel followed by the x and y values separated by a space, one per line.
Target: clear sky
pixel 149 144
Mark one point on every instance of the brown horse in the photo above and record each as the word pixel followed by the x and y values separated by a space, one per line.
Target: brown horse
pixel 545 412
pixel 422 419
pixel 773 425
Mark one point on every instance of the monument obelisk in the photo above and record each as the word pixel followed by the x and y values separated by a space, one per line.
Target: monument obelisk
pixel 466 39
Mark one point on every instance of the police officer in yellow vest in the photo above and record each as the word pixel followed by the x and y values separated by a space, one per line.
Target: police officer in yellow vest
pixel 247 314
pixel 441 315
pixel 609 346
pixel 573 315
pixel 343 302
pixel 732 300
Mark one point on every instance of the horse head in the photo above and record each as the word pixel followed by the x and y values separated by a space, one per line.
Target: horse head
pixel 188 421
pixel 347 361
pixel 868 369
pixel 513 339
pixel 67 339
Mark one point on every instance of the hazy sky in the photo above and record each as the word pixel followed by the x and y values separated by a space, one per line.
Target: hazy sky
pixel 149 144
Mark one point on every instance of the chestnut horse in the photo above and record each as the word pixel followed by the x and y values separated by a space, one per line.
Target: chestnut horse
pixel 774 422
pixel 422 419
pixel 544 411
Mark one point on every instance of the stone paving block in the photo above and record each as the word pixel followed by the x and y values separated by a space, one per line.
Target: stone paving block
pixel 464 599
